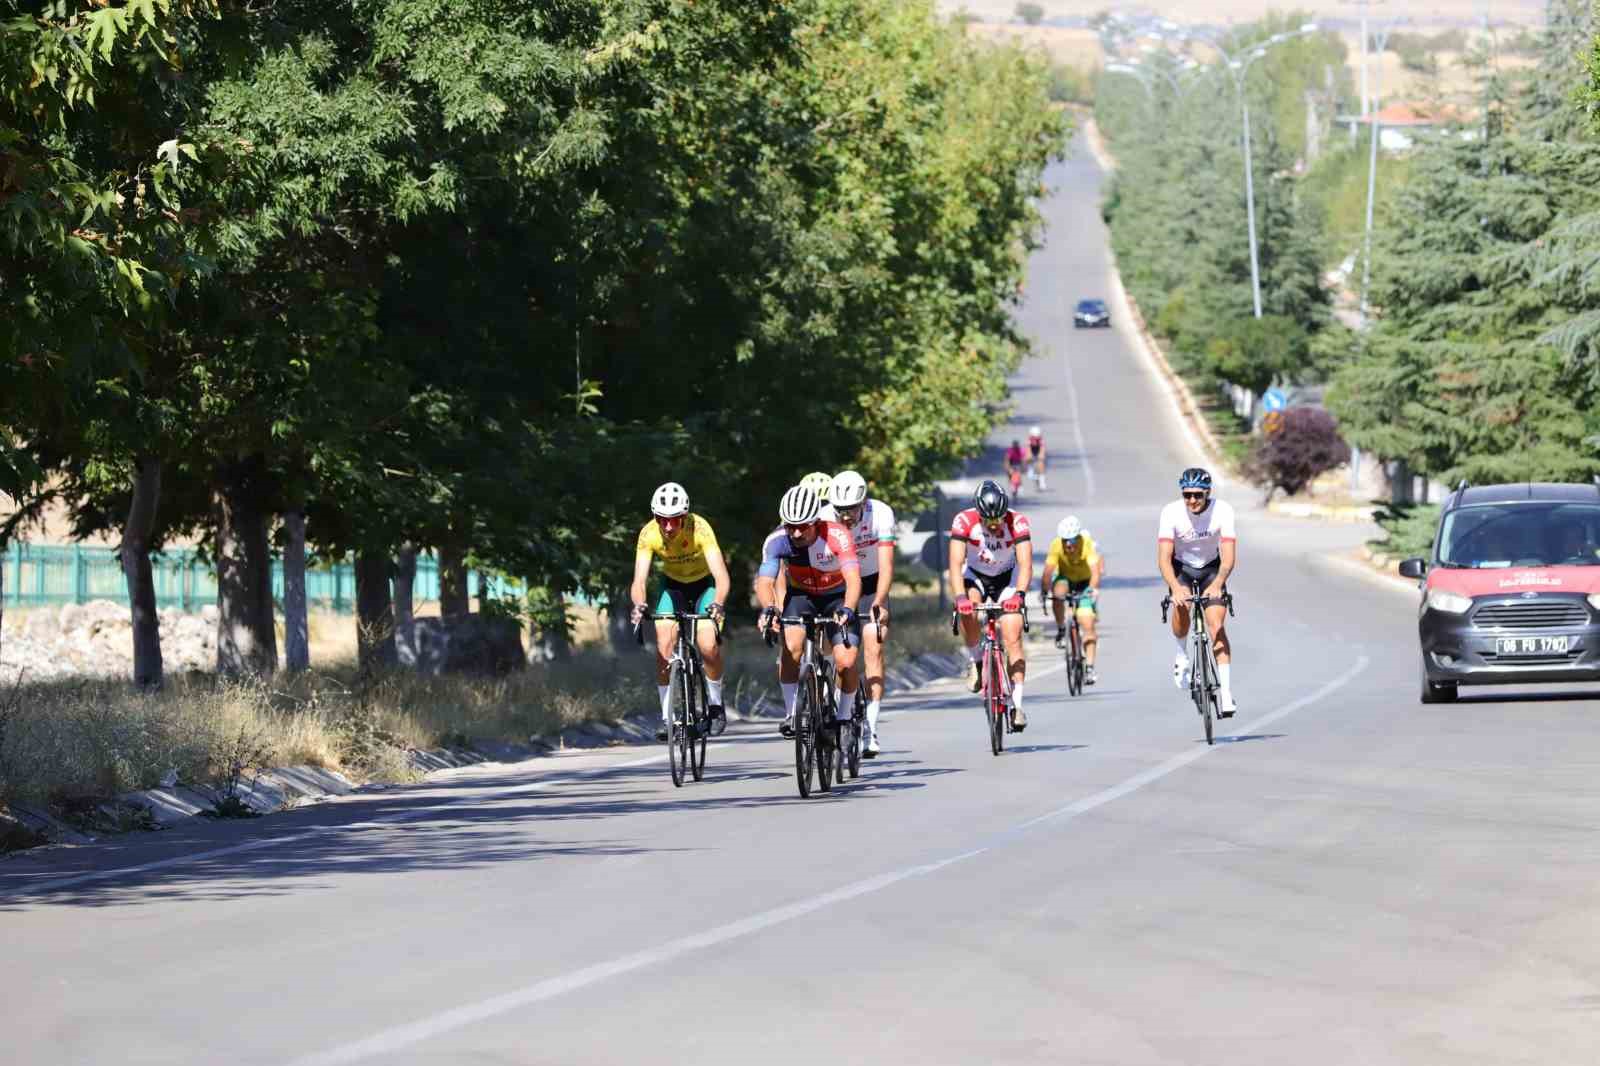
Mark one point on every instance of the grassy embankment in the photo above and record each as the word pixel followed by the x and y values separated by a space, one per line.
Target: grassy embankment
pixel 64 743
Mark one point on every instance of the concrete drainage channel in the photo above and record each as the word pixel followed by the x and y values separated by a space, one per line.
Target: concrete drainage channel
pixel 285 787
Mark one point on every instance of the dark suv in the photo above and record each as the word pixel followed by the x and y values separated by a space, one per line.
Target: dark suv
pixel 1512 591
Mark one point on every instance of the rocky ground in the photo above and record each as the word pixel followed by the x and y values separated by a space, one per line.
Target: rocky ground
pixel 95 639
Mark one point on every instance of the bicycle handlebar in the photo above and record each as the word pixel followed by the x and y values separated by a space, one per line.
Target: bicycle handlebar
pixel 676 616
pixel 979 609
pixel 810 621
pixel 1199 600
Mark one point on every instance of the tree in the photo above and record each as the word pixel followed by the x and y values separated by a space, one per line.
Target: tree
pixel 1305 445
pixel 1030 13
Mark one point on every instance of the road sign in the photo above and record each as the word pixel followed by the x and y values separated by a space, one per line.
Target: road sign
pixel 1274 400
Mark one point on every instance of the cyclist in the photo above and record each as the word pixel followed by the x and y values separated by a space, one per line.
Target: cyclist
pixel 823 577
pixel 991 558
pixel 871 524
pixel 1016 463
pixel 1196 542
pixel 1036 451
pixel 1074 566
pixel 694 581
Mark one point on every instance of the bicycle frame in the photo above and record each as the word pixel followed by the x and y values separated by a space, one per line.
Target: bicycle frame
pixel 814 747
pixel 995 671
pixel 1074 649
pixel 1204 684
pixel 687 739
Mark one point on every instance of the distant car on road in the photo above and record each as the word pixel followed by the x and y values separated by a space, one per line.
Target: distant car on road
pixel 1511 594
pixel 1091 313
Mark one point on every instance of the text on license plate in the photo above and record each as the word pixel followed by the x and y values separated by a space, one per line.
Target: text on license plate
pixel 1530 646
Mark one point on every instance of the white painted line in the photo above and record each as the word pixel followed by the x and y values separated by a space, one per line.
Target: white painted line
pixel 403 1036
pixel 1077 430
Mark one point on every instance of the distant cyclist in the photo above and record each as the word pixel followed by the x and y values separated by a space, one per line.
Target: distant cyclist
pixel 818 560
pixel 991 560
pixel 1196 542
pixel 1016 466
pixel 1036 453
pixel 695 581
pixel 871 524
pixel 1074 566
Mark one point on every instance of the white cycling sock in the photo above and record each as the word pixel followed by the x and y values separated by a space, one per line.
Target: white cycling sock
pixel 1224 676
pixel 714 692
pixel 665 692
pixel 872 717
pixel 791 693
pixel 1183 645
pixel 1016 696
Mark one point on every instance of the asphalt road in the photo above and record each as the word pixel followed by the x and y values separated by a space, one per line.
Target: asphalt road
pixel 1350 877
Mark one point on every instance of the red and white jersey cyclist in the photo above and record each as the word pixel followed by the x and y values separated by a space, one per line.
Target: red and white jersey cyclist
pixel 991 560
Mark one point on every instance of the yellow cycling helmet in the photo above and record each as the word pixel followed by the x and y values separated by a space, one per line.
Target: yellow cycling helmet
pixel 817 482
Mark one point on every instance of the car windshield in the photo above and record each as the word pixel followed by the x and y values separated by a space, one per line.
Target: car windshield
pixel 1091 305
pixel 1491 536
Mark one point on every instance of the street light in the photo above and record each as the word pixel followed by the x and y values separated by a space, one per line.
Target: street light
pixel 1240 69
pixel 1381 39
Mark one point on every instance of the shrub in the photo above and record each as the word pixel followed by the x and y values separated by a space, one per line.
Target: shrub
pixel 1032 14
pixel 1307 444
pixel 1408 529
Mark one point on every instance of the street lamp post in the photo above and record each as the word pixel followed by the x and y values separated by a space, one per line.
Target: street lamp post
pixel 1240 69
pixel 1381 38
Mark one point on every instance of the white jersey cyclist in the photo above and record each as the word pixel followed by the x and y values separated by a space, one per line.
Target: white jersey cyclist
pixel 874 527
pixel 1196 539
pixel 991 554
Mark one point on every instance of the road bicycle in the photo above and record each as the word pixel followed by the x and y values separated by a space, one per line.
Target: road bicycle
pixel 817 732
pixel 996 678
pixel 1015 478
pixel 1204 687
pixel 688 715
pixel 852 736
pixel 1074 643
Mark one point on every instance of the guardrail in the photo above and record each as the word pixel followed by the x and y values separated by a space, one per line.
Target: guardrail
pixel 47 575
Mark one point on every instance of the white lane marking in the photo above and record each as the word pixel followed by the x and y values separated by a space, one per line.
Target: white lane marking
pixel 1177 762
pixel 1077 430
pixel 404 1036
pixel 400 1037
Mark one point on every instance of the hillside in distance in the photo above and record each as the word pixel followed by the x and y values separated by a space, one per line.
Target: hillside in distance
pixel 1420 12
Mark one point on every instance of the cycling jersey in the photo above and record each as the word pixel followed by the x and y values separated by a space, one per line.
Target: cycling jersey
pixel 683 557
pixel 1035 446
pixel 990 554
pixel 1074 565
pixel 874 527
pixel 1014 456
pixel 819 568
pixel 1196 539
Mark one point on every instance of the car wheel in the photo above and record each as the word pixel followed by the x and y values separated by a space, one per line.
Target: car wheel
pixel 1438 691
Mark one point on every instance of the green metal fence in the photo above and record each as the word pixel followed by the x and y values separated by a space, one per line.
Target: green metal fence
pixel 43 575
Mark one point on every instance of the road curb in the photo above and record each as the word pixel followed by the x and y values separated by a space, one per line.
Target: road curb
pixel 285 787
pixel 1323 512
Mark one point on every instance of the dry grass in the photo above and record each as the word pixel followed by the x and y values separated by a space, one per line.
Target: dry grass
pixel 64 741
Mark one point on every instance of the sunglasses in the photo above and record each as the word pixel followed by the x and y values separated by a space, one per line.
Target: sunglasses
pixel 1194 495
pixel 849 514
pixel 797 531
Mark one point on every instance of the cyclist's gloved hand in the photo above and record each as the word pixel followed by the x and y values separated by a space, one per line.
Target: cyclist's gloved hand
pixel 964 606
pixel 638 614
pixel 717 613
pixel 1012 602
pixel 845 616
pixel 765 619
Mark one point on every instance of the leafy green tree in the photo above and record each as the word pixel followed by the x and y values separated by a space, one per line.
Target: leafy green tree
pixel 1030 13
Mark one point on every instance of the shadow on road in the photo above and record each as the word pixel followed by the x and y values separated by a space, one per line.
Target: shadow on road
pixel 1242 737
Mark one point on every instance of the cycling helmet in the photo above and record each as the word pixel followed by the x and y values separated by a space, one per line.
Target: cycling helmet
pixel 991 501
pixel 818 483
pixel 1070 528
pixel 1035 432
pixel 670 501
pixel 799 506
pixel 849 489
pixel 1195 478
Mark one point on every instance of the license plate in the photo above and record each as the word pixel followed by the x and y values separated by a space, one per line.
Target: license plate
pixel 1530 645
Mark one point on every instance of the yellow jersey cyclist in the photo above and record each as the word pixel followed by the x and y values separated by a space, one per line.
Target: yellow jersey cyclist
pixel 1074 565
pixel 695 581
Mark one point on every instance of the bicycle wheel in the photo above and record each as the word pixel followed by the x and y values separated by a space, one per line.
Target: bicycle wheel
pixel 677 725
pixel 702 730
pixel 853 731
pixel 805 710
pixel 995 703
pixel 1205 691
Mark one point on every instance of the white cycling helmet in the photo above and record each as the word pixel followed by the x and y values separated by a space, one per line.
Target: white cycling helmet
pixel 1035 432
pixel 849 489
pixel 800 506
pixel 1070 528
pixel 670 501
pixel 817 482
